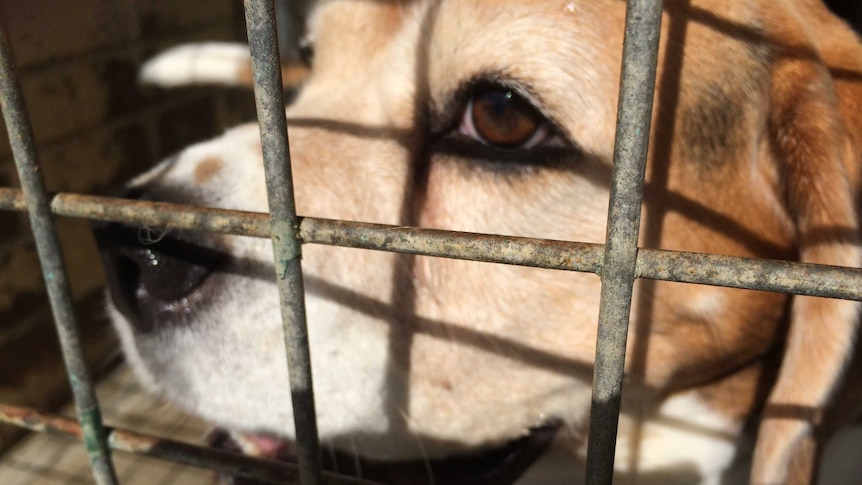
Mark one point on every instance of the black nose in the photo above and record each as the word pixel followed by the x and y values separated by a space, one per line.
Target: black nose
pixel 153 275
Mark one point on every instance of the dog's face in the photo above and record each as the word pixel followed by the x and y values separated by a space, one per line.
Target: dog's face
pixel 472 116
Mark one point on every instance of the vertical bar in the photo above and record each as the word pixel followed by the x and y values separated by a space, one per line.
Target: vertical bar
pixel 53 266
pixel 269 97
pixel 637 87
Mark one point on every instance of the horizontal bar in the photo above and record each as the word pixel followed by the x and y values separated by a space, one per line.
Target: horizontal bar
pixel 429 242
pixel 751 273
pixel 655 264
pixel 37 202
pixel 171 450
pixel 489 248
pixel 148 213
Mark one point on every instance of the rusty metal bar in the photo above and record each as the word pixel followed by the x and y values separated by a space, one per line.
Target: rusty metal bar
pixel 165 449
pixel 637 85
pixel 751 273
pixel 147 213
pixel 269 98
pixel 53 267
pixel 657 264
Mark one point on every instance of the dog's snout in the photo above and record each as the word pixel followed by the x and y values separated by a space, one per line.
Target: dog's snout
pixel 153 274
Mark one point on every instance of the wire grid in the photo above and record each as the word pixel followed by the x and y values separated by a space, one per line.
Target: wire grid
pixel 618 262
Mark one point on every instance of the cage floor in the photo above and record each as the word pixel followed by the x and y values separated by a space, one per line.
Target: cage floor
pixel 41 459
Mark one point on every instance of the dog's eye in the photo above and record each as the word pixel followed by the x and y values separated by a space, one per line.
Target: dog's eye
pixel 500 118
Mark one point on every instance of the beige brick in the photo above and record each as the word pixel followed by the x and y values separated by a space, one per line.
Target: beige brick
pixel 81 256
pixel 19 274
pixel 160 18
pixel 74 97
pixel 83 163
pixel 71 462
pixel 94 76
pixel 45 30
pixel 12 473
pixel 180 126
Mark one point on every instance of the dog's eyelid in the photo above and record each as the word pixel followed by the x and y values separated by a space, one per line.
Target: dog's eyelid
pixel 446 116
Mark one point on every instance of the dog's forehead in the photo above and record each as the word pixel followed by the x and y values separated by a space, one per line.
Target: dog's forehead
pixel 527 26
pixel 370 25
pixel 565 53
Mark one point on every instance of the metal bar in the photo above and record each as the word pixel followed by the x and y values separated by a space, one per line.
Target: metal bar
pixel 519 251
pixel 657 264
pixel 751 273
pixel 269 98
pixel 53 266
pixel 147 213
pixel 637 87
pixel 165 449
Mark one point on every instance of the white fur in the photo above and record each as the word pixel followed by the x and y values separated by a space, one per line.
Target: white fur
pixel 205 63
pixel 686 435
pixel 684 439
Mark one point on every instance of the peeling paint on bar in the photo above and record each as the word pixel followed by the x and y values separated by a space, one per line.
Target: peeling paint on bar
pixel 584 257
pixel 147 213
pixel 165 449
pixel 751 273
pixel 37 202
pixel 269 98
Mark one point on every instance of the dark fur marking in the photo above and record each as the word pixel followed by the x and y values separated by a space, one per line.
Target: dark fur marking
pixel 713 126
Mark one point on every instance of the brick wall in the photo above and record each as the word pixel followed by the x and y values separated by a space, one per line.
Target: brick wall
pixel 95 126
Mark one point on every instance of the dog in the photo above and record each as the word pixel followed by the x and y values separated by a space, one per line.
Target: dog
pixel 473 116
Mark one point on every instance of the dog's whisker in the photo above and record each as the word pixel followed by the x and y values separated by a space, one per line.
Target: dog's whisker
pixel 424 455
pixel 423 452
pixel 330 448
pixel 357 463
pixel 151 235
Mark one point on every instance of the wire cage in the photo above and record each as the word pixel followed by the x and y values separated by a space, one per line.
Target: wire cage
pixel 618 262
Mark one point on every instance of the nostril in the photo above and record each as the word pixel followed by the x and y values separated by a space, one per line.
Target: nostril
pixel 150 278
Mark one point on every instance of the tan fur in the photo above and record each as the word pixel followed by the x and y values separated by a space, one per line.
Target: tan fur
pixel 206 169
pixel 756 150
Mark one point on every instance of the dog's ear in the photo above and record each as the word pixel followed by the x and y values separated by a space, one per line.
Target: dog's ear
pixel 813 143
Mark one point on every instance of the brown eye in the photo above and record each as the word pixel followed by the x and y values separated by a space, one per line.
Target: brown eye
pixel 502 119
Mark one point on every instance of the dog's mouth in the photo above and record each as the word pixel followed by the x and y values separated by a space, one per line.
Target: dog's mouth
pixel 497 466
